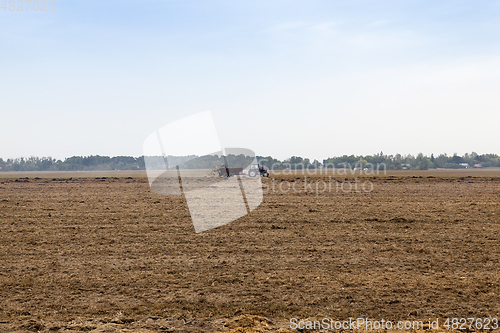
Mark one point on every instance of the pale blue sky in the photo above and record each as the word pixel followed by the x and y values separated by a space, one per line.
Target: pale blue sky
pixel 309 78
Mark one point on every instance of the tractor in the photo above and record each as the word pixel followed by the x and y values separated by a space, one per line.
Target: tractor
pixel 257 169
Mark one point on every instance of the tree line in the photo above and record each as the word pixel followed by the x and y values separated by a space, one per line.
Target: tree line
pixel 403 162
pixel 388 162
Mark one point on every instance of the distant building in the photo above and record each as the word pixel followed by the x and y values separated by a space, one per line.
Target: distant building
pixel 464 165
pixel 478 166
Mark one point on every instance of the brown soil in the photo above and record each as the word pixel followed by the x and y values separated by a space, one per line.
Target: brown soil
pixel 108 255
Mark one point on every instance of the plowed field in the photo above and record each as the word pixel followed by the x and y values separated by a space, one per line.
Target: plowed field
pixel 107 254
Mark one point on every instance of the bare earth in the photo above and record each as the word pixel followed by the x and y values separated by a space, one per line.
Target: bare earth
pixel 106 254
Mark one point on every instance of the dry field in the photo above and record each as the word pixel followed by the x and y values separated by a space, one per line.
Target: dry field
pixel 105 254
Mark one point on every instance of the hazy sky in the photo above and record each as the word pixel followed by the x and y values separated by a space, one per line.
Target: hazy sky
pixel 309 78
